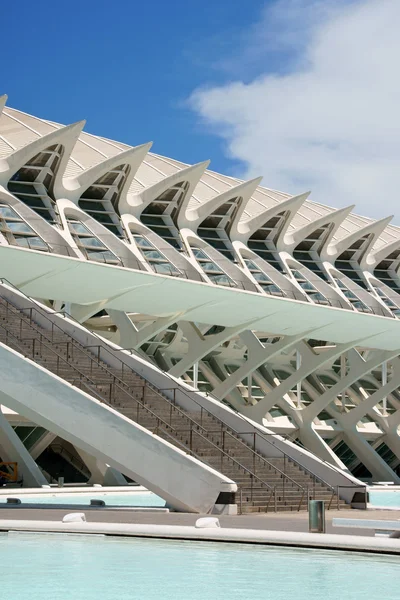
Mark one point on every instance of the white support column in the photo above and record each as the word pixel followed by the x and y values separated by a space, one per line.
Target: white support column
pixel 384 382
pixel 255 360
pixel 309 364
pixel 196 375
pixel 40 446
pixel 343 373
pixel 13 450
pixel 200 346
pixel 351 377
pixel 298 385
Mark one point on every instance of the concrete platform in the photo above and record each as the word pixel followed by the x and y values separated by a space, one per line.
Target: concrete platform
pixel 247 533
pixel 294 522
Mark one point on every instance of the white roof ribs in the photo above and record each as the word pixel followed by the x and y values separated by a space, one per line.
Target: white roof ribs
pixel 132 157
pixel 335 218
pixel 373 229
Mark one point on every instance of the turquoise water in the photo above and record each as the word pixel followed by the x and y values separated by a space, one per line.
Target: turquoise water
pixel 122 499
pixel 387 498
pixel 62 567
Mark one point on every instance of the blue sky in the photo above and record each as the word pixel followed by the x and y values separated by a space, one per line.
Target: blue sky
pixel 126 66
pixel 302 92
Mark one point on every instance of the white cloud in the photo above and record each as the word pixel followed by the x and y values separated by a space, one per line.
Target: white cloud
pixel 332 122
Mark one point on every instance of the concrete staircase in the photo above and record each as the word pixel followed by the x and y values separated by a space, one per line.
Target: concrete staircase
pixel 265 484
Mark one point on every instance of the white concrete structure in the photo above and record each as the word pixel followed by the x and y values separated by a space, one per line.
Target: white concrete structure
pixel 284 308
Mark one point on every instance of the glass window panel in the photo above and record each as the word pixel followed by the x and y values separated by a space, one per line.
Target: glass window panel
pixel 221 279
pixel 199 253
pixel 19 227
pixel 8 213
pixel 37 243
pixel 91 242
pixel 261 277
pixel 164 268
pixel 210 266
pixel 149 254
pixel 22 241
pixel 79 227
pixel 307 286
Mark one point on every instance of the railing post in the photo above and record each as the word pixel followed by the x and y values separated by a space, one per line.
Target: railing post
pixel 241 502
pixel 275 501
pixel 337 497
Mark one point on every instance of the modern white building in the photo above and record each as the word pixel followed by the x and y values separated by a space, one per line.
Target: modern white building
pixel 282 308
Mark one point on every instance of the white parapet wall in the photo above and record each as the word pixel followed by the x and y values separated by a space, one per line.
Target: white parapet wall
pixel 184 482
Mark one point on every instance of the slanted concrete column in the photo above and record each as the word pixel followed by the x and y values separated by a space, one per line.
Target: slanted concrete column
pixel 40 446
pixel 13 450
pixel 314 442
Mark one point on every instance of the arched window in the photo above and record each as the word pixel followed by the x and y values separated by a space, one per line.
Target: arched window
pixel 90 245
pixel 33 183
pixel 211 269
pixel 348 261
pixel 262 242
pixel 392 306
pixel 307 252
pixel 262 279
pixel 17 231
pixel 153 257
pixel 100 200
pixel 215 228
pixel 160 214
pixel 386 271
pixel 310 289
pixel 354 300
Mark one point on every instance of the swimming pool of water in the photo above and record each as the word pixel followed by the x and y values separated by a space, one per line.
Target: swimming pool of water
pixel 64 567
pixel 388 498
pixel 122 499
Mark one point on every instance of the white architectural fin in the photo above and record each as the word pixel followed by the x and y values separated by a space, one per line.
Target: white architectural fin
pixel 3 100
pixel 136 203
pixel 376 256
pixel 372 229
pixel 66 136
pixel 334 218
pixel 75 186
pixel 245 229
pixel 194 216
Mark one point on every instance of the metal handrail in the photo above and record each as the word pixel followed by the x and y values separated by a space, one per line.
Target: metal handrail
pixel 158 419
pixel 103 366
pixel 102 345
pixel 73 367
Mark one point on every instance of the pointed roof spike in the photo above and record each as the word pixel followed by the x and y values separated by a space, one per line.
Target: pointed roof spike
pixel 67 136
pixel 245 189
pixel 3 100
pixel 247 228
pixel 136 203
pixel 376 256
pixel 375 229
pixel 336 217
pixel 133 157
